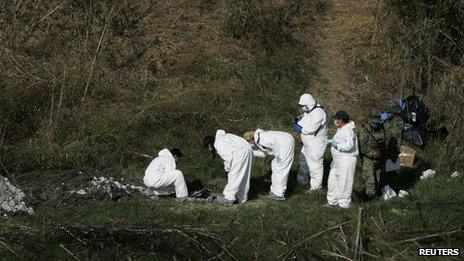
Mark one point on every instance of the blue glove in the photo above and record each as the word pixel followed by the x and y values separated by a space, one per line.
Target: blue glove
pixel 385 116
pixel 401 103
pixel 278 161
pixel 333 143
pixel 297 127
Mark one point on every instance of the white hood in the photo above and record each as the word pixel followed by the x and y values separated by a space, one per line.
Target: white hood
pixel 165 152
pixel 346 139
pixel 257 132
pixel 219 133
pixel 308 100
pixel 350 125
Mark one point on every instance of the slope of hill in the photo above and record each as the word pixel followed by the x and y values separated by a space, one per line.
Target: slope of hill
pixel 89 86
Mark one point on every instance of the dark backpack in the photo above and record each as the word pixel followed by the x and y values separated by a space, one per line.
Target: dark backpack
pixel 415 112
pixel 317 106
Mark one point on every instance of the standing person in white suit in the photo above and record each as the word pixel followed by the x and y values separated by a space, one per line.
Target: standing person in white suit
pixel 313 128
pixel 281 146
pixel 344 148
pixel 237 155
pixel 161 175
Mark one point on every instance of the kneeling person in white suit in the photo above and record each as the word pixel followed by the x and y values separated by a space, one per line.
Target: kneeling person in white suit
pixel 344 153
pixel 281 146
pixel 237 155
pixel 161 175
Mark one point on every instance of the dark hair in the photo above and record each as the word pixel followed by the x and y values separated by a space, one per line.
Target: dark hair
pixel 343 116
pixel 208 140
pixel 176 152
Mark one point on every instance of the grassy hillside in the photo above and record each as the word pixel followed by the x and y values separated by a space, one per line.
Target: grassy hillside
pixel 88 86
pixel 89 83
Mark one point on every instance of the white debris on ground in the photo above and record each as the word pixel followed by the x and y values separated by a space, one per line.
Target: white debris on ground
pixel 80 192
pixel 388 193
pixel 111 186
pixel 403 193
pixel 12 198
pixel 456 174
pixel 427 174
pixel 102 182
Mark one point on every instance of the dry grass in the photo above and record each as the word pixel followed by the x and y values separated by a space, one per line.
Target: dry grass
pixel 342 38
pixel 78 76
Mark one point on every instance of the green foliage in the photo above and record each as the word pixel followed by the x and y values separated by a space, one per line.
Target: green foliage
pixel 95 83
pixel 428 37
pixel 259 229
pixel 167 74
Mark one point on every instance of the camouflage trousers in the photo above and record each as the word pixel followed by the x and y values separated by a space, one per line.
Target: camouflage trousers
pixel 373 175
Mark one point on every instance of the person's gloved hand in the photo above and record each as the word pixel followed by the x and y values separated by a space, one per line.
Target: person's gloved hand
pixel 226 167
pixel 333 143
pixel 375 154
pixel 278 161
pixel 384 116
pixel 297 127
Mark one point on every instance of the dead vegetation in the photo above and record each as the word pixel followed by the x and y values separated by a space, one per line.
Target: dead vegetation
pixel 97 83
pixel 88 83
pixel 156 241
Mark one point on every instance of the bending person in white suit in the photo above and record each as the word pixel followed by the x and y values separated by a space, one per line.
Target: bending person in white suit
pixel 281 146
pixel 237 155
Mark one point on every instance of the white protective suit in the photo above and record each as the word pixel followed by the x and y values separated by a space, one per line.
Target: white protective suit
pixel 340 183
pixel 313 136
pixel 162 175
pixel 281 146
pixel 237 155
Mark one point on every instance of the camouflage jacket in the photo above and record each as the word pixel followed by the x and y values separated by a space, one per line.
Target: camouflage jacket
pixel 394 133
pixel 372 143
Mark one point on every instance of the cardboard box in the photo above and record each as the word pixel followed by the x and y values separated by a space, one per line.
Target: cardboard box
pixel 407 156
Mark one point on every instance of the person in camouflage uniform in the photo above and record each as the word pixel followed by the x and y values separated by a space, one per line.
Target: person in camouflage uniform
pixel 393 133
pixel 373 155
pixel 393 125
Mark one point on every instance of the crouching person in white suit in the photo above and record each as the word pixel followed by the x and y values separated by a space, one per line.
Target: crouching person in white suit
pixel 162 177
pixel 344 153
pixel 237 155
pixel 281 146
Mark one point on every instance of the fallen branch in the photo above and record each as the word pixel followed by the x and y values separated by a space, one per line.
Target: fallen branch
pixel 358 240
pixel 431 236
pixel 285 255
pixel 45 17
pixel 197 237
pixel 69 252
pixel 8 248
pixel 329 253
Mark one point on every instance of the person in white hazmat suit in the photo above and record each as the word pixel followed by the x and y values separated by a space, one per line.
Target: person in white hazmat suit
pixel 344 148
pixel 281 146
pixel 313 128
pixel 162 177
pixel 237 155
